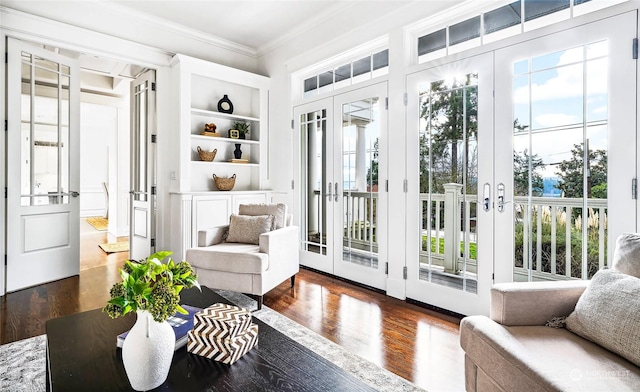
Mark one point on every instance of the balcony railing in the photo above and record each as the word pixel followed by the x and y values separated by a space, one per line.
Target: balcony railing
pixel 548 236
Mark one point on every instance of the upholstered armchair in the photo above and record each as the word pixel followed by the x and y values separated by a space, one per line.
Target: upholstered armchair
pixel 255 252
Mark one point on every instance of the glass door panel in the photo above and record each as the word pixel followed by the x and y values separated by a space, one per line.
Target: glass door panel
pixel 360 153
pixel 449 181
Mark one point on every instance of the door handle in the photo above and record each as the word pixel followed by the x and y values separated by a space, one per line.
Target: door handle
pixel 74 193
pixel 486 196
pixel 501 201
pixel 329 191
pixel 336 192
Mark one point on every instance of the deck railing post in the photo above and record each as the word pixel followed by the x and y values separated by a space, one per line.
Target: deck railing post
pixel 452 193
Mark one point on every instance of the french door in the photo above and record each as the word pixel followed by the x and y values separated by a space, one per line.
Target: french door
pixel 343 202
pixel 143 167
pixel 567 106
pixel 505 201
pixel 43 154
pixel 450 143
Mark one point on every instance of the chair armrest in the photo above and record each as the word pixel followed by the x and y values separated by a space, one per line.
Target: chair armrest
pixel 282 245
pixel 534 303
pixel 212 235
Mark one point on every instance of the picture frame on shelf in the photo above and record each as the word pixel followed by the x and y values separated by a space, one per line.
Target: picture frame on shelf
pixel 234 134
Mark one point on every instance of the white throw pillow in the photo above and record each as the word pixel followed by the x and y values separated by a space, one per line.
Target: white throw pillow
pixel 626 255
pixel 608 314
pixel 247 229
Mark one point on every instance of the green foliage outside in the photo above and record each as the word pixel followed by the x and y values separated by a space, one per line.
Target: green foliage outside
pixel 472 246
pixel 593 246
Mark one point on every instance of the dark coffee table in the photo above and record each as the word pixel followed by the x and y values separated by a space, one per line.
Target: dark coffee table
pixel 82 356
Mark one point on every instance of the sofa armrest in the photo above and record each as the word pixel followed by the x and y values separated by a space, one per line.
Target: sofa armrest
pixel 212 235
pixel 534 303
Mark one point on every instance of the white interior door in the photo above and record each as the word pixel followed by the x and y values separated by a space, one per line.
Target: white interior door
pixel 143 167
pixel 43 166
pixel 360 194
pixel 565 106
pixel 313 123
pixel 450 152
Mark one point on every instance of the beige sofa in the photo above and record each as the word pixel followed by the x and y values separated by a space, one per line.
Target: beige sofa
pixel 513 350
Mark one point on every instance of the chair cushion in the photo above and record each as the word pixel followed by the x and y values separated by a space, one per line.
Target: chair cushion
pixel 608 313
pixel 626 255
pixel 247 229
pixel 279 211
pixel 234 258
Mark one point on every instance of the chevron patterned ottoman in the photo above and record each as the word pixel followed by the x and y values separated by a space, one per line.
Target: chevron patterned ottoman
pixel 223 333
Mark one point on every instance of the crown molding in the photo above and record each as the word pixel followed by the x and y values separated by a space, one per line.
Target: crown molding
pixel 176 28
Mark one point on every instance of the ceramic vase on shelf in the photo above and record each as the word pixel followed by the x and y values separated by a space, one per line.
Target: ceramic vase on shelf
pixel 147 352
pixel 237 153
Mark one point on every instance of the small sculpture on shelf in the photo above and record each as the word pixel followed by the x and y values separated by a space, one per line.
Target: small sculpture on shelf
pixel 210 130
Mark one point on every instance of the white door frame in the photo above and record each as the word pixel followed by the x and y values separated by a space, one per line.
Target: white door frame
pixel 44 241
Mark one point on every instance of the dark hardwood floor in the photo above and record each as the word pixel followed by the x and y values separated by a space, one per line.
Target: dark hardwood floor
pixel 417 344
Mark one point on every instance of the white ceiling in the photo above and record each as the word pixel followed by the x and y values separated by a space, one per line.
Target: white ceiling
pixel 253 26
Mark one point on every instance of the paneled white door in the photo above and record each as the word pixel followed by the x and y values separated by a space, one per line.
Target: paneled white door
pixel 142 211
pixel 43 166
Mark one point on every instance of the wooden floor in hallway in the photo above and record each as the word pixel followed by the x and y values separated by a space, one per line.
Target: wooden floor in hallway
pixel 415 343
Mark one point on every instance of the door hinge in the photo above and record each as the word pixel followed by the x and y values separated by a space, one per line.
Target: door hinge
pixel 634 50
pixel 386 103
pixel 6 57
pixel 405 186
pixel 5 192
pixel 153 190
pixel 293 184
pixel 386 268
pixel 153 242
pixel 6 125
pixel 404 272
pixel 153 86
pixel 292 124
pixel 386 185
pixel 5 260
pixel 405 99
pixel 154 138
pixel 634 189
pixel 493 276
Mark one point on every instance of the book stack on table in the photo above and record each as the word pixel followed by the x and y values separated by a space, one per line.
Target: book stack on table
pixel 181 323
pixel 223 333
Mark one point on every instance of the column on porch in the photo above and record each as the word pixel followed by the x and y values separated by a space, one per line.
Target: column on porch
pixel 452 194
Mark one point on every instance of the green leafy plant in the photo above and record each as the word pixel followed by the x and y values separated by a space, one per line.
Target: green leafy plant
pixel 242 127
pixel 152 286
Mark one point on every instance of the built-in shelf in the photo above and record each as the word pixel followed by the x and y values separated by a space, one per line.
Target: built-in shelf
pixel 224 139
pixel 203 112
pixel 215 163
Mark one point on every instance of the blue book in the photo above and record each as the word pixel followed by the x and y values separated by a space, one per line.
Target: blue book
pixel 181 323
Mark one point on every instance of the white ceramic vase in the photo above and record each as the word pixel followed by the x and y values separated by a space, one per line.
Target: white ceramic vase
pixel 147 352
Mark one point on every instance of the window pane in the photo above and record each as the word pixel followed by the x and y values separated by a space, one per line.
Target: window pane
pixel 432 42
pixel 362 66
pixel 326 78
pixel 310 84
pixel 534 9
pixel 501 18
pixel 464 31
pixel 343 73
pixel 577 2
pixel 381 59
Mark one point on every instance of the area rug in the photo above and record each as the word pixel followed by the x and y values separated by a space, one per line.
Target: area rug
pixel 114 247
pixel 22 363
pixel 99 223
